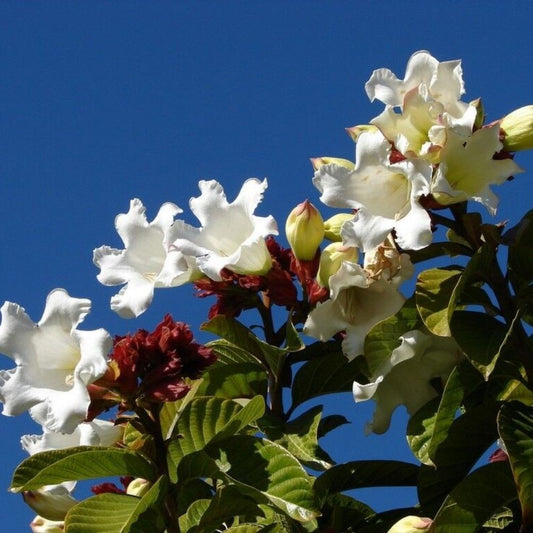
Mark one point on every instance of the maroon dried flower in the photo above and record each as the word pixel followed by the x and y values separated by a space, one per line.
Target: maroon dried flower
pixel 153 365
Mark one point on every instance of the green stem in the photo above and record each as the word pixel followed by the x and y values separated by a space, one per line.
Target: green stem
pixel 274 338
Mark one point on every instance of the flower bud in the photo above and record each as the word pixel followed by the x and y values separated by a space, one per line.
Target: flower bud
pixel 305 230
pixel 331 260
pixel 138 487
pixel 517 128
pixel 333 225
pixel 411 524
pixel 317 162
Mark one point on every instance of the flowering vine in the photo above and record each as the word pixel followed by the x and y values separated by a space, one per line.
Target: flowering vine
pixel 226 435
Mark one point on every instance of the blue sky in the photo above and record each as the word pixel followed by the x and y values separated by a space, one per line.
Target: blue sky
pixel 105 101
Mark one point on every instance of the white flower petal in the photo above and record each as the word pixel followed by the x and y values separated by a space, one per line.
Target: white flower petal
pixel 440 81
pixel 383 194
pixel 53 503
pixel 357 304
pixel 134 298
pixel 42 525
pixel 413 231
pixel 145 260
pixel 366 231
pixel 231 236
pixel 94 433
pixel 62 411
pixel 374 183
pixel 55 362
pixel 467 168
pixel 405 379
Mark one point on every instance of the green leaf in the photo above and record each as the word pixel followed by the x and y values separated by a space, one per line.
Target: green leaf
pixel 329 423
pixel 481 337
pixel 237 380
pixel 190 520
pixel 384 337
pixel 195 465
pixel 171 411
pixel 227 504
pixel 293 342
pixel 299 437
pixel 236 373
pixel 477 271
pixel 82 462
pixel 119 513
pixel 250 412
pixel 515 425
pixel 342 513
pixel 438 249
pixel 229 353
pixel 476 499
pixel 265 470
pixel 251 528
pixel 235 333
pixel 429 426
pixel 314 350
pixel 206 419
pixel 360 474
pixel 434 289
pixel 190 490
pixel 468 437
pixel 520 256
pixel 238 334
pixel 328 374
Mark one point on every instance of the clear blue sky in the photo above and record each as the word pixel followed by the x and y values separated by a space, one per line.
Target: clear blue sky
pixel 104 101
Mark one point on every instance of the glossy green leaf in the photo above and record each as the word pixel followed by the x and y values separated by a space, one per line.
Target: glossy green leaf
pixel 434 289
pixel 520 256
pixel 476 499
pixel 190 520
pixel 208 418
pixel 237 380
pixel 329 423
pixel 293 342
pixel 384 337
pixel 314 350
pixel 328 374
pixel 238 334
pixel 477 271
pixel 481 337
pixel 429 426
pixel 438 249
pixel 190 490
pixel 195 465
pixel 343 513
pixel 251 528
pixel 171 411
pixel 119 513
pixel 227 504
pixel 515 425
pixel 369 473
pixel 236 374
pixel 300 437
pixel 265 470
pixel 468 437
pixel 82 462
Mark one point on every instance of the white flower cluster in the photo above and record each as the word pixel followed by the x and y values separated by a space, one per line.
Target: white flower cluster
pixel 427 147
pixel 425 143
pixel 168 252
